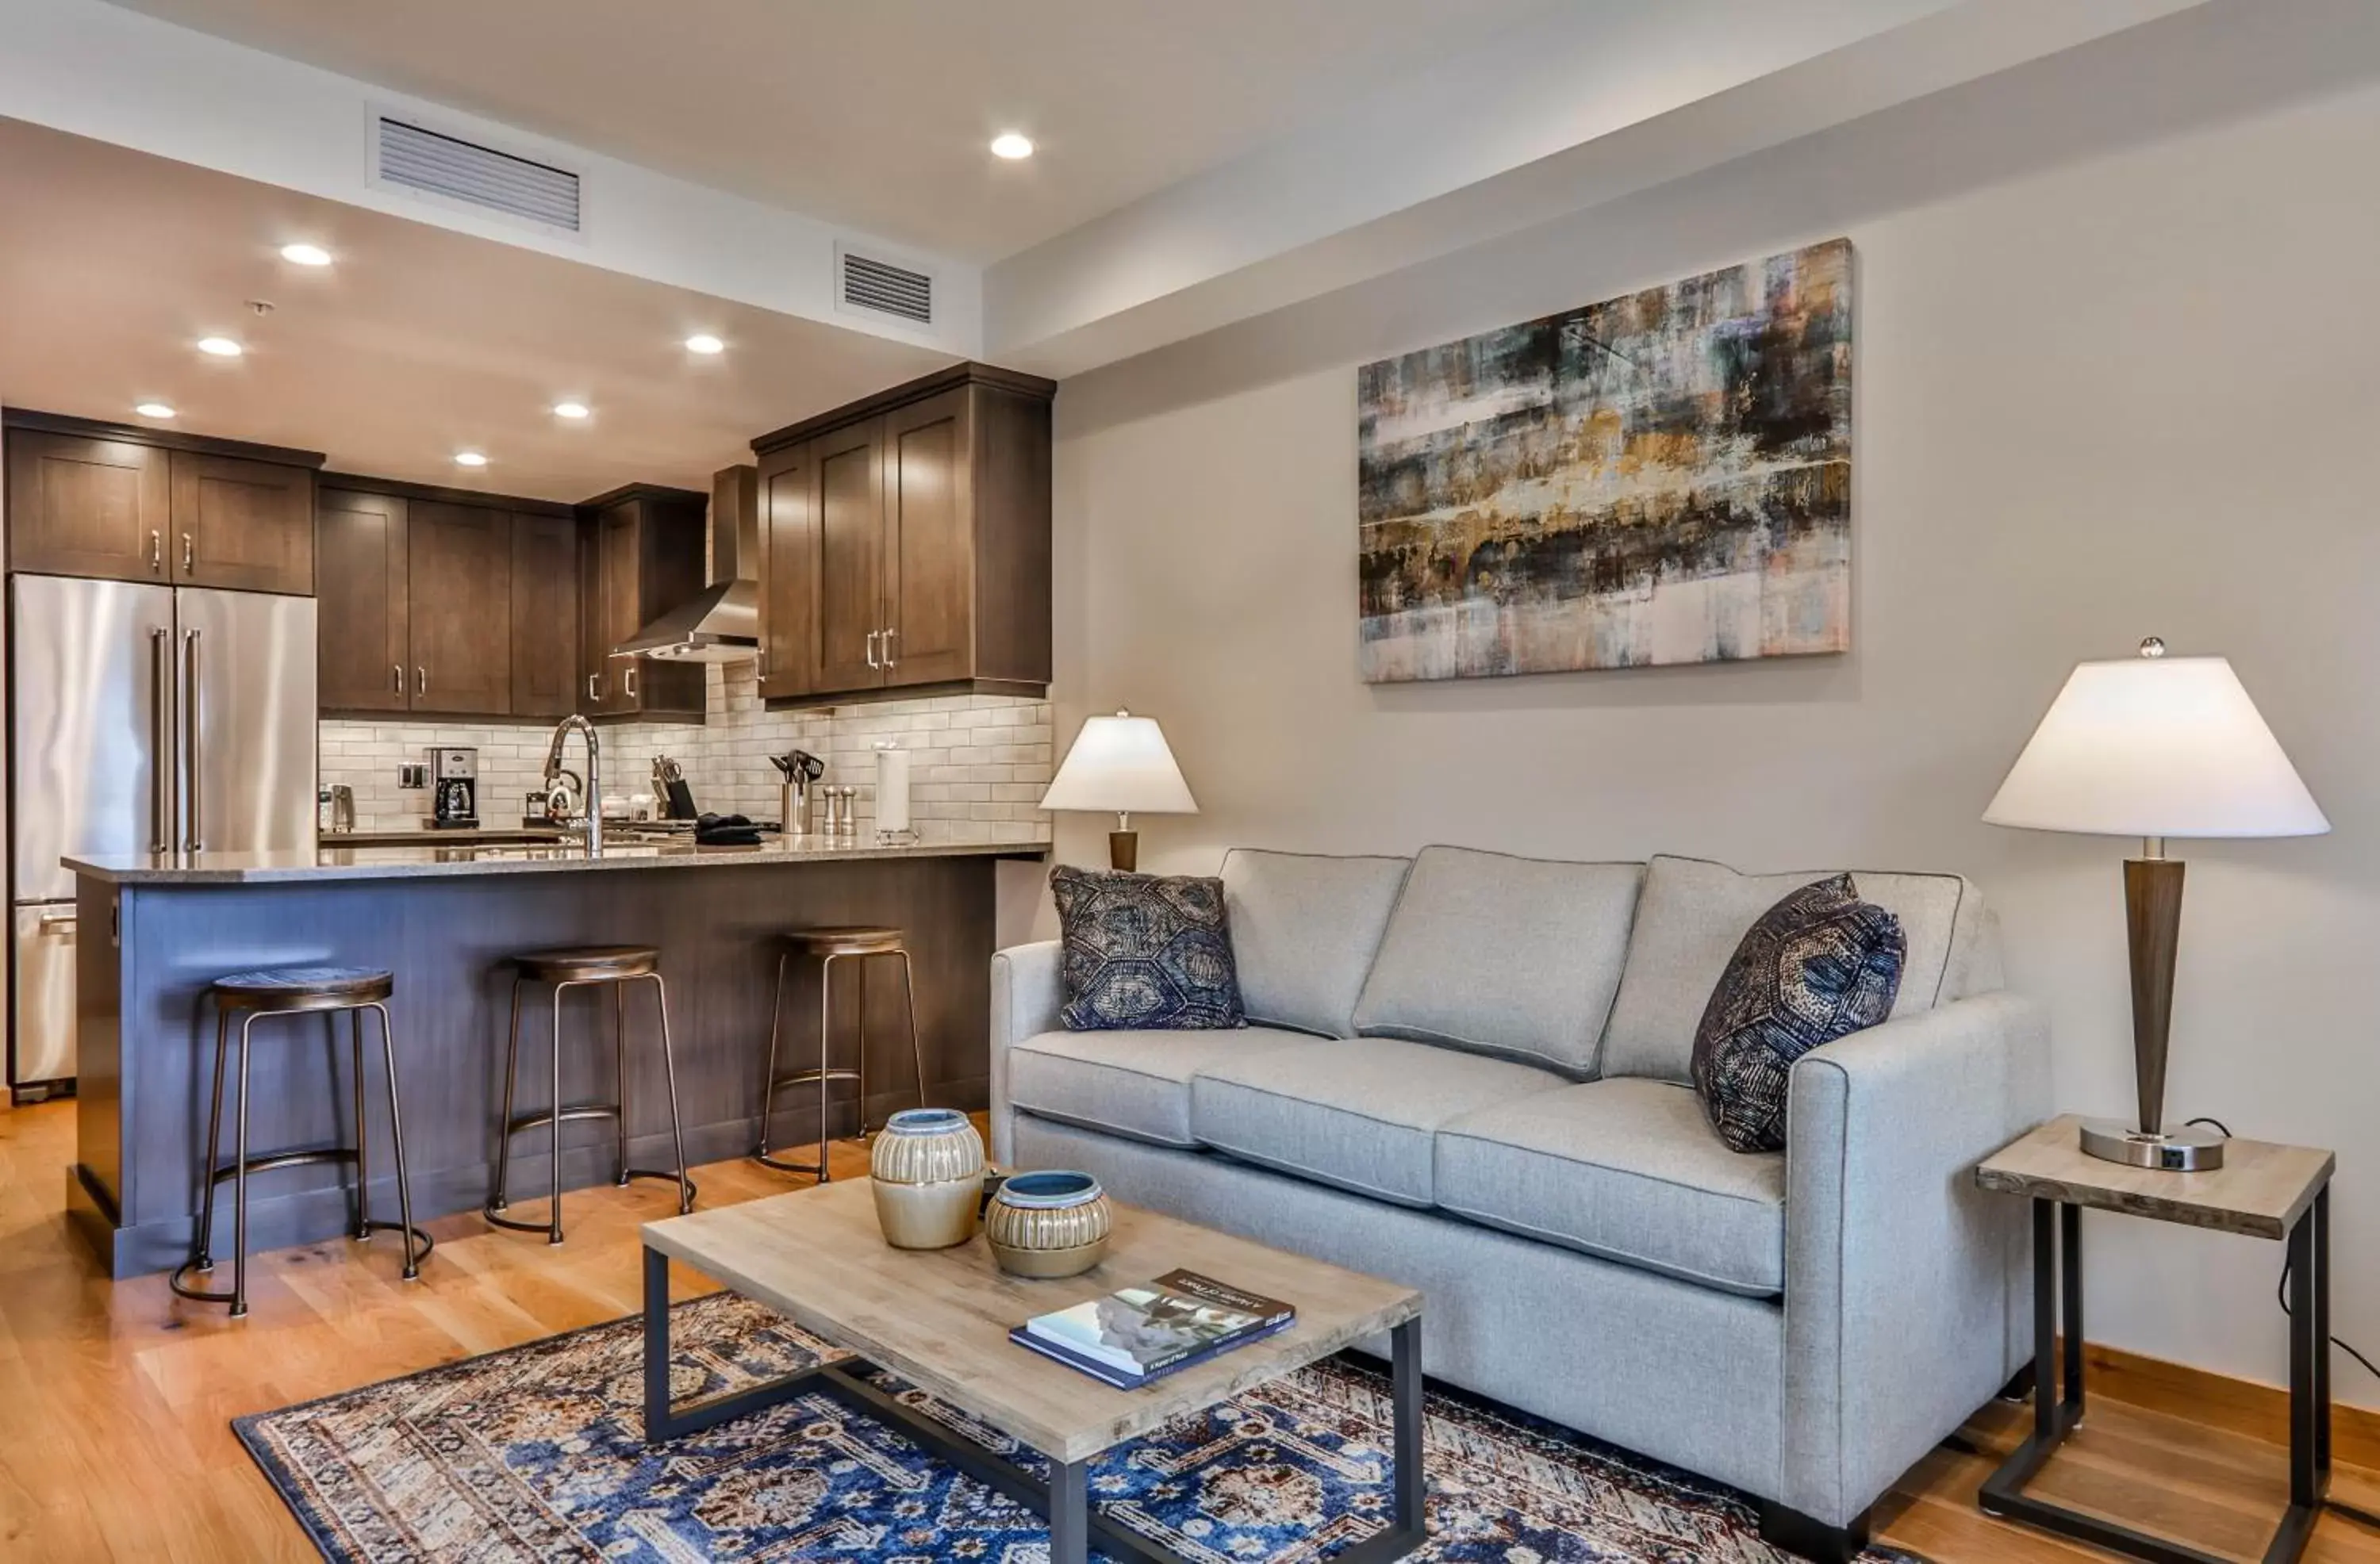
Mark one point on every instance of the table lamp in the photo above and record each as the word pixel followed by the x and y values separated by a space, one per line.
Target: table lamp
pixel 2155 746
pixel 1121 763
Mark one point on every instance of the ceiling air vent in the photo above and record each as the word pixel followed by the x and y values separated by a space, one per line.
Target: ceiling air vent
pixel 879 285
pixel 463 170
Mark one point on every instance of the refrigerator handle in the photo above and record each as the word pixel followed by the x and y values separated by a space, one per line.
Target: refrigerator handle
pixel 193 842
pixel 161 742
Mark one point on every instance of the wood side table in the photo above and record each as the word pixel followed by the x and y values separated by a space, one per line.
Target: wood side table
pixel 2263 1191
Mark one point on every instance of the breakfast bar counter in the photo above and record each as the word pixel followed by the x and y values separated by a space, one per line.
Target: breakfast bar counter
pixel 155 930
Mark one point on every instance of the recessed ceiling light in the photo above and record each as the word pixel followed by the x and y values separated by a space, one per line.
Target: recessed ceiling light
pixel 470 460
pixel 703 342
pixel 153 410
pixel 306 255
pixel 220 346
pixel 1009 144
pixel 570 409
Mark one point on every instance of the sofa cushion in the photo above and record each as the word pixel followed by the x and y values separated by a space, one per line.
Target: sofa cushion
pixel 1693 915
pixel 1517 958
pixel 1358 1113
pixel 1303 929
pixel 1629 1170
pixel 1134 1084
pixel 1144 951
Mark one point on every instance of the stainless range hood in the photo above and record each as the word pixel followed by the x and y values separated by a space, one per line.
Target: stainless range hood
pixel 722 623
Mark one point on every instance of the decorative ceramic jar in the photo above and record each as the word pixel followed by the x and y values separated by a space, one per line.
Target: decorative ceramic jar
pixel 1050 1224
pixel 927 1171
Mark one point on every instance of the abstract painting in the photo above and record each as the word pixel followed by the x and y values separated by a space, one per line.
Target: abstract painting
pixel 1658 478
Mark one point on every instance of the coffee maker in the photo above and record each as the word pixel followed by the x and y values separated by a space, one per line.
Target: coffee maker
pixel 454 789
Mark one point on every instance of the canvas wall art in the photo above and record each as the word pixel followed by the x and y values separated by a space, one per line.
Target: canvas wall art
pixel 1658 478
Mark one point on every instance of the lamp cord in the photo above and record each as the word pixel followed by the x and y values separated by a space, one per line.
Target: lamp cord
pixel 2282 1296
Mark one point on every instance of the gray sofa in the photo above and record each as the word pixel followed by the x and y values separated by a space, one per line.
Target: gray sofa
pixel 1469 1071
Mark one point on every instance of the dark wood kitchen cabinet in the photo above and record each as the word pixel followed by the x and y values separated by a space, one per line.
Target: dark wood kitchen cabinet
pixel 643 554
pixel 446 602
pixel 546 636
pixel 130 504
pixel 362 578
pixel 905 543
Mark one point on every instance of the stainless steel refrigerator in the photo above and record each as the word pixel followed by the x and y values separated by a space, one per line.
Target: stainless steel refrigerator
pixel 142 718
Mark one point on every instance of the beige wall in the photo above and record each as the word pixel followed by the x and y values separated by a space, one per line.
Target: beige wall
pixel 2109 383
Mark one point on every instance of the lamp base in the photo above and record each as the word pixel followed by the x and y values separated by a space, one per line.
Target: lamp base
pixel 1123 850
pixel 2185 1150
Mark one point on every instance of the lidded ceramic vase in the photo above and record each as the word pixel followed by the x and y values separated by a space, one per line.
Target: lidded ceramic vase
pixel 926 1171
pixel 1048 1224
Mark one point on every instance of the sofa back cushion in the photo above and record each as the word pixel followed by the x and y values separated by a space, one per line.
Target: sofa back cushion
pixel 1694 915
pixel 1517 958
pixel 1303 929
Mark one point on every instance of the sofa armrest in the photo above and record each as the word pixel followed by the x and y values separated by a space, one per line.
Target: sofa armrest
pixel 1025 998
pixel 1899 1274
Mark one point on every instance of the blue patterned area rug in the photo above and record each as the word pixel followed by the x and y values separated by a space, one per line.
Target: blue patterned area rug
pixel 537 1452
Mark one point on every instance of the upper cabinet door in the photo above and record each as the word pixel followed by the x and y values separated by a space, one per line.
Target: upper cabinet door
pixel 545 615
pixel 241 523
pixel 850 570
pixel 619 608
pixel 360 566
pixel 928 542
pixel 788 567
pixel 83 506
pixel 460 566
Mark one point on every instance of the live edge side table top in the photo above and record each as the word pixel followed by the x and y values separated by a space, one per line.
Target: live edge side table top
pixel 2263 1190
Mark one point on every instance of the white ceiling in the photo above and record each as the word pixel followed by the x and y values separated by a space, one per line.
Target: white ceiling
pixel 876 114
pixel 417 341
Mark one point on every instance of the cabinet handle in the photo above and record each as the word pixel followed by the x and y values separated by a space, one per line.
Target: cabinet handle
pixel 871 649
pixel 395 679
pixel 628 681
pixel 420 680
pixel 889 661
pixel 156 550
pixel 186 566
pixel 591 687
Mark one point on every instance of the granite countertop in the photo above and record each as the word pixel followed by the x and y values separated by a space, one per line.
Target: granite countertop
pixel 434 861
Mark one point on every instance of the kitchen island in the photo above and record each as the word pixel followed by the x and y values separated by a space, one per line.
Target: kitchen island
pixel 444 919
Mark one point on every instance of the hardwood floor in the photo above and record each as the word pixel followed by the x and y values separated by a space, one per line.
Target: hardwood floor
pixel 115 1398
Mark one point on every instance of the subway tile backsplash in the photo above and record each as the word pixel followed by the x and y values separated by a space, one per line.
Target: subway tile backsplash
pixel 978 764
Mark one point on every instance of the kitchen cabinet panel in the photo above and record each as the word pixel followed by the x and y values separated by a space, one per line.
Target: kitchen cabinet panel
pixel 787 566
pixel 245 524
pixel 361 580
pixel 850 570
pixel 928 542
pixel 459 566
pixel 545 650
pixel 80 506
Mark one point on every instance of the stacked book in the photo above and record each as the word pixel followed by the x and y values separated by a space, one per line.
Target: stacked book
pixel 1137 1334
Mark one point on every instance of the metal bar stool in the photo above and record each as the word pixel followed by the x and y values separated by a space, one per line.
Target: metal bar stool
pixel 831 945
pixel 292 991
pixel 586 966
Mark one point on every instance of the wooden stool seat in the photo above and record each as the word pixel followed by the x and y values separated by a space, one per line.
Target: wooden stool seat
pixel 282 989
pixel 859 939
pixel 589 964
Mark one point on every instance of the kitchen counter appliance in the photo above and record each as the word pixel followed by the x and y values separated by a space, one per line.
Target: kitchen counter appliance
pixel 455 788
pixel 142 719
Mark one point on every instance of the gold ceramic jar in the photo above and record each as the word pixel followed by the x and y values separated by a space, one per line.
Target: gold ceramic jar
pixel 1048 1224
pixel 927 1170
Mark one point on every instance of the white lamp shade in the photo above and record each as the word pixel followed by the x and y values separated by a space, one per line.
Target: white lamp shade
pixel 1121 763
pixel 2156 746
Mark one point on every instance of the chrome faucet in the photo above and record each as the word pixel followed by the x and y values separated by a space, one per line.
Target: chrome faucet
pixel 593 797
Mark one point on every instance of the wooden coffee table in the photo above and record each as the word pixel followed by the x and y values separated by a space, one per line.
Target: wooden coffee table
pixel 941 1319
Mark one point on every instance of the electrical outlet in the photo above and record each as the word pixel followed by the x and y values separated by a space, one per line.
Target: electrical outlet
pixel 415 775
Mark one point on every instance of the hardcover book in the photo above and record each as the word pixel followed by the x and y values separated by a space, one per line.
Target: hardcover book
pixel 1136 1332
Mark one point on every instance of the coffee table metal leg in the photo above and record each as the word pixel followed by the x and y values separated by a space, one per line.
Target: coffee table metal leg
pixel 1070 1512
pixel 665 1422
pixel 1406 1387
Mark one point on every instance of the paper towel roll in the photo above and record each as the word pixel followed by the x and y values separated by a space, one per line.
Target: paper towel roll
pixel 892 789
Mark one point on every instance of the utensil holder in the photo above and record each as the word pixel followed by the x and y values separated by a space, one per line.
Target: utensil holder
pixel 794 807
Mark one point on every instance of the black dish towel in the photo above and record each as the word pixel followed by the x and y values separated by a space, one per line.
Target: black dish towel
pixel 725 831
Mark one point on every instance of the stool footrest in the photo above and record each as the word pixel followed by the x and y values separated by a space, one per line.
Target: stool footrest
pixel 413 1256
pixel 584 1110
pixel 285 1160
pixel 809 1078
pixel 811 1168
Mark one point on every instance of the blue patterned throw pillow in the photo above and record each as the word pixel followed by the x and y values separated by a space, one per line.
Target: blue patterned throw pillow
pixel 1820 965
pixel 1145 953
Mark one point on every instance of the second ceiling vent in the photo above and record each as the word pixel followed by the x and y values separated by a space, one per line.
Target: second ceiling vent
pixel 884 288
